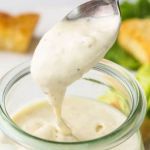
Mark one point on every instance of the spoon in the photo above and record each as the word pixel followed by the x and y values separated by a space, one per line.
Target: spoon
pixel 96 9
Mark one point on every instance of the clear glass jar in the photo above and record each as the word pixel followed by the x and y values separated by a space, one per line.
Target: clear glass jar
pixel 18 90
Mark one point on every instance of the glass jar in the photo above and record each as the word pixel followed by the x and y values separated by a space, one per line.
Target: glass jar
pixel 106 82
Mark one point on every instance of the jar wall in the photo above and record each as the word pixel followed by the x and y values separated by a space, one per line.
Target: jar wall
pixel 133 143
pixel 96 85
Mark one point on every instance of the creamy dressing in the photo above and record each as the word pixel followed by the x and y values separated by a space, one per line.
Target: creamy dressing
pixel 66 52
pixel 85 117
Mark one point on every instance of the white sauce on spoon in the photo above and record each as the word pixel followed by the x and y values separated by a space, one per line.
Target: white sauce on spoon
pixel 66 52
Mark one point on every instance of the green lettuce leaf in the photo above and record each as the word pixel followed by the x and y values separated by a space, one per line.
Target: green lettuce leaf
pixel 143 76
pixel 138 9
pixel 118 55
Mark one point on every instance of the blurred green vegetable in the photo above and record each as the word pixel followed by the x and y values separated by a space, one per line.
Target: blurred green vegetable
pixel 143 76
pixel 148 108
pixel 116 99
pixel 143 8
pixel 128 10
pixel 120 56
pixel 138 9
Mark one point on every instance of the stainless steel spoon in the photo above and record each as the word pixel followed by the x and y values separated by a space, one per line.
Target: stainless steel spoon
pixel 95 8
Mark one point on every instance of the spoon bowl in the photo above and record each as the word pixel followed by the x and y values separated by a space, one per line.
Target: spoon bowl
pixel 96 9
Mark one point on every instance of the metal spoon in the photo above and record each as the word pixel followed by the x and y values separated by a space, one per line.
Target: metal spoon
pixel 95 8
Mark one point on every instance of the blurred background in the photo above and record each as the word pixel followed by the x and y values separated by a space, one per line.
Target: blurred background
pixel 23 23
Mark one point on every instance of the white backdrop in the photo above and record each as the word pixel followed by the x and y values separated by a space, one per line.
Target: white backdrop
pixel 51 11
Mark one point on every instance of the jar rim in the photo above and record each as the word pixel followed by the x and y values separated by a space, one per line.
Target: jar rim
pixel 127 129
